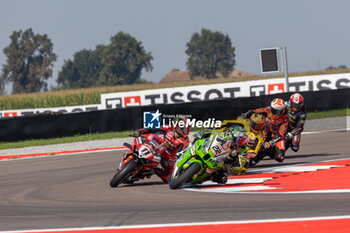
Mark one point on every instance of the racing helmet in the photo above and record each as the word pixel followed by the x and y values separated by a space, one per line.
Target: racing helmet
pixel 239 136
pixel 257 122
pixel 295 102
pixel 251 140
pixel 182 127
pixel 278 107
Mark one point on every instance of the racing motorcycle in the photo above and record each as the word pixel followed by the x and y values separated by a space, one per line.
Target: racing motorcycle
pixel 140 161
pixel 198 161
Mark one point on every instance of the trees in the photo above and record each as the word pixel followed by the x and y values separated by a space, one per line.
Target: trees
pixel 30 60
pixel 208 53
pixel 123 60
pixel 83 71
pixel 117 63
pixel 335 68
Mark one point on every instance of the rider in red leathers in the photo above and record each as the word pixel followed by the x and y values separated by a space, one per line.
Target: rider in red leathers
pixel 276 127
pixel 175 140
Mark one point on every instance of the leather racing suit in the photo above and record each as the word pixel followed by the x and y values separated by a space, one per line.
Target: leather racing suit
pixel 295 127
pixel 276 127
pixel 167 152
pixel 255 139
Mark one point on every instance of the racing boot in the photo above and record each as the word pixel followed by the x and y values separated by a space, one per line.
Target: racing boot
pixel 280 155
pixel 162 174
pixel 295 148
pixel 219 177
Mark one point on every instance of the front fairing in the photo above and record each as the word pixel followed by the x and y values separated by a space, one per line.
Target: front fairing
pixel 201 153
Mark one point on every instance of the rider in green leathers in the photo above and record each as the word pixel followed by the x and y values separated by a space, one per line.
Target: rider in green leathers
pixel 231 149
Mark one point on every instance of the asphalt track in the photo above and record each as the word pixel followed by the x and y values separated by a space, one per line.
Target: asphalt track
pixel 73 191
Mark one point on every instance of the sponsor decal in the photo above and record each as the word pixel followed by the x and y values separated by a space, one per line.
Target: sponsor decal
pixel 258 90
pixel 52 111
pixel 10 114
pixel 275 88
pixel 112 103
pixel 132 101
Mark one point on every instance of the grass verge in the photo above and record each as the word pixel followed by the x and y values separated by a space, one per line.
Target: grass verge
pixel 330 113
pixel 110 135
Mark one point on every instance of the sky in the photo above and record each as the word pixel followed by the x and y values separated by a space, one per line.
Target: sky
pixel 316 33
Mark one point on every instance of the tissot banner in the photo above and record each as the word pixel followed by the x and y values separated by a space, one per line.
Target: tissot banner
pixel 199 93
pixel 224 90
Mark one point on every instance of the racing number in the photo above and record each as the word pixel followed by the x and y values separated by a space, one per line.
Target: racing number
pixel 217 149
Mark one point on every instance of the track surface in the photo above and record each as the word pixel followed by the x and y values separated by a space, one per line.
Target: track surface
pixel 73 191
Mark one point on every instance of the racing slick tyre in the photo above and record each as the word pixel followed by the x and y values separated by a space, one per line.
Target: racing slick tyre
pixel 123 173
pixel 185 176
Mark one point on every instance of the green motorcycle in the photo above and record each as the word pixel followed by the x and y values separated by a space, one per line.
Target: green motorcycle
pixel 201 159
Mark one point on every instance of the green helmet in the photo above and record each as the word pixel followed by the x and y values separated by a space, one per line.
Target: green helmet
pixel 239 135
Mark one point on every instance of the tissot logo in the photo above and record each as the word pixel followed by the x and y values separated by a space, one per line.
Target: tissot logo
pixel 187 94
pixel 132 101
pixel 151 120
pixel 275 88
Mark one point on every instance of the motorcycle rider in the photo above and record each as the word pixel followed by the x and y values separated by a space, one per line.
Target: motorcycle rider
pixel 276 127
pixel 255 127
pixel 175 139
pixel 232 144
pixel 296 112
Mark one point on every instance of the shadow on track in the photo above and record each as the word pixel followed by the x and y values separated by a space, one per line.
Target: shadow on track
pixel 146 183
pixel 288 157
pixel 308 156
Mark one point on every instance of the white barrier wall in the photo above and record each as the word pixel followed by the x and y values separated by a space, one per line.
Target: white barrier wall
pixel 199 92
pixel 224 90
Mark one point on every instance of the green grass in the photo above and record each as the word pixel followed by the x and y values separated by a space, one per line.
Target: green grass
pixel 98 136
pixel 331 113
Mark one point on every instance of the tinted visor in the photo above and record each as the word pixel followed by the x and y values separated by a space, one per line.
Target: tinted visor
pixel 257 126
pixel 239 141
pixel 295 106
pixel 277 112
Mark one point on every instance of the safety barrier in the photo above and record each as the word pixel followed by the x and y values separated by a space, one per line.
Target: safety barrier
pixel 59 125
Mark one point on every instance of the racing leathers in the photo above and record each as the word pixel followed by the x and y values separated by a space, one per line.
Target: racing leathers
pixel 252 146
pixel 172 144
pixel 276 127
pixel 230 154
pixel 295 127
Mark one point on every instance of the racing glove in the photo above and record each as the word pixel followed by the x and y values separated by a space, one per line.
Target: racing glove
pixel 269 144
pixel 247 114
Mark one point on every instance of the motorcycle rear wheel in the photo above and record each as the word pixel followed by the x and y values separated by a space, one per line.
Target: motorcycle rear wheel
pixel 123 173
pixel 185 176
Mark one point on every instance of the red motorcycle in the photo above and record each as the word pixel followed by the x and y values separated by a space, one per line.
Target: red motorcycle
pixel 141 159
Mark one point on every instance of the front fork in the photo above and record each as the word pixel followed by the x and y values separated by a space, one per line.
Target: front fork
pixel 127 158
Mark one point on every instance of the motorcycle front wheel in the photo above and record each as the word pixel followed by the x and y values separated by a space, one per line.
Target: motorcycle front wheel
pixel 185 176
pixel 123 173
